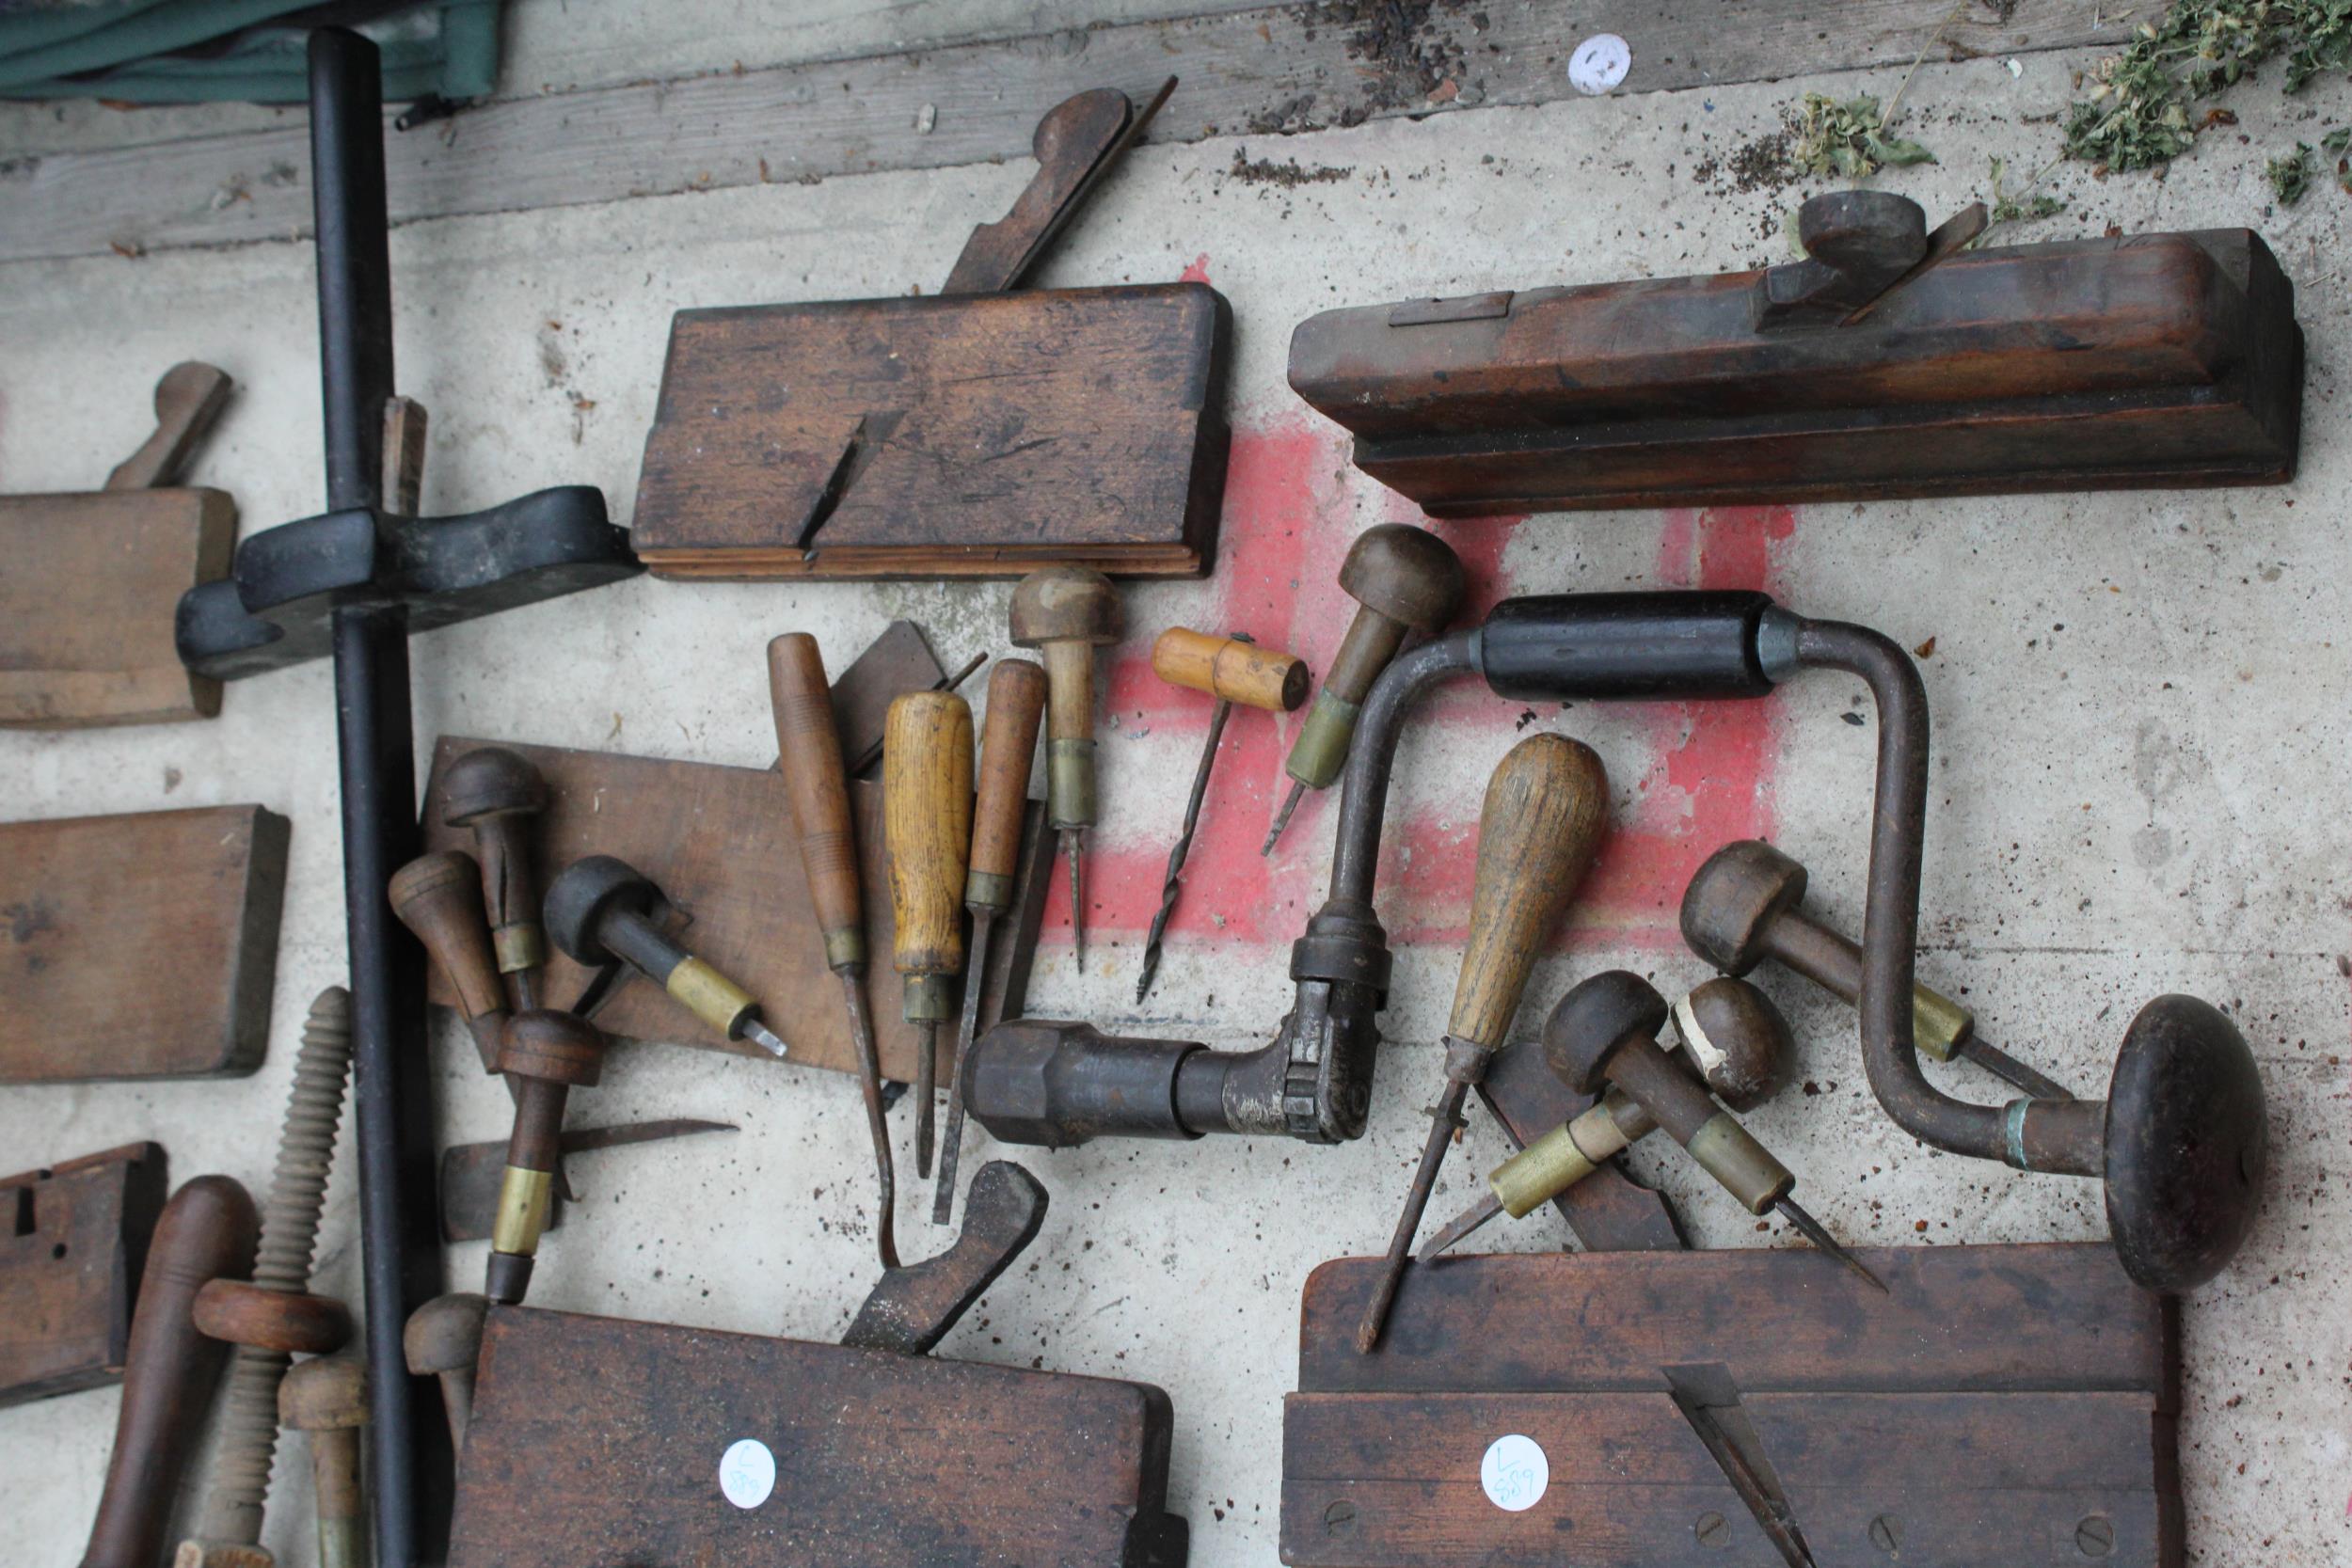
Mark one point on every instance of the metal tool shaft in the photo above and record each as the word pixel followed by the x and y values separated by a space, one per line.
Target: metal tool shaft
pixel 951 1140
pixel 1173 883
pixel 1818 1235
pixel 1460 1225
pixel 869 1084
pixel 1074 843
pixel 1443 1119
pixel 1282 818
pixel 2011 1070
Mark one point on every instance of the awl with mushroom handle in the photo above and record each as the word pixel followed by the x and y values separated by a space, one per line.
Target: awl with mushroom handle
pixel 1232 669
pixel 808 751
pixel 1545 806
pixel 601 911
pixel 499 794
pixel 548 1054
pixel 1404 580
pixel 1067 613
pixel 926 823
pixel 1016 705
pixel 1732 1038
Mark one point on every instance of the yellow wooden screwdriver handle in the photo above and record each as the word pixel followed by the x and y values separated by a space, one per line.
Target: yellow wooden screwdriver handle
pixel 1541 823
pixel 927 822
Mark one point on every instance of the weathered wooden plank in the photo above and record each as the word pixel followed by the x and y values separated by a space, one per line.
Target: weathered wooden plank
pixel 70 1269
pixel 2057 1315
pixel 596 1441
pixel 138 946
pixel 1255 73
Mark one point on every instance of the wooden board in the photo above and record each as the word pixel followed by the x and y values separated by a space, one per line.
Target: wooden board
pixel 1258 72
pixel 2157 361
pixel 719 842
pixel 138 946
pixel 963 435
pixel 2001 1399
pixel 89 586
pixel 595 1444
pixel 70 1269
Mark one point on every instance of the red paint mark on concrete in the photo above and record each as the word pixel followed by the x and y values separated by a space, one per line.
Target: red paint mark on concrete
pixel 1705 771
pixel 1196 272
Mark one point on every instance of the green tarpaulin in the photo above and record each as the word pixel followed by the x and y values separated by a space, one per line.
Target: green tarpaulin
pixel 251 51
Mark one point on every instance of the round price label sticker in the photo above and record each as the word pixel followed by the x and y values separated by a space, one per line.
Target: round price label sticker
pixel 747 1472
pixel 1599 63
pixel 1515 1473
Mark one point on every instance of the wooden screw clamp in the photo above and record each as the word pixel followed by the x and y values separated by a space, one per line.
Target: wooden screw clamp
pixel 1539 828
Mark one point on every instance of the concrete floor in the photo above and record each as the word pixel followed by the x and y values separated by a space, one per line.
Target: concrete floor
pixel 2139 779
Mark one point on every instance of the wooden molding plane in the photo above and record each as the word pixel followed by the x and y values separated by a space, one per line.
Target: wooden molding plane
pixel 2005 1404
pixel 596 1443
pixel 89 580
pixel 140 946
pixel 979 433
pixel 70 1269
pixel 1891 363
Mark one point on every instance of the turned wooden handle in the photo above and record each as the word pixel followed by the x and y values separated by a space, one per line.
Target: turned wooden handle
pixel 207 1232
pixel 188 399
pixel 1016 705
pixel 926 824
pixel 1230 669
pixel 1537 832
pixel 438 897
pixel 809 752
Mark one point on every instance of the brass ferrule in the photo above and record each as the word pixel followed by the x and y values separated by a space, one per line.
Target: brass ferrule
pixel 986 891
pixel 519 946
pixel 1068 784
pixel 522 1212
pixel 1938 1024
pixel 708 994
pixel 342 1544
pixel 845 949
pixel 926 999
pixel 1320 752
pixel 1543 1171
pixel 1729 1153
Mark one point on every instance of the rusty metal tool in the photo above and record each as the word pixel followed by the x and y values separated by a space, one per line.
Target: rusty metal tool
pixel 1545 806
pixel 1730 1037
pixel 1404 580
pixel 808 751
pixel 1232 669
pixel 1710 1401
pixel 1743 907
pixel 1016 705
pixel 1069 612
pixel 1604 1033
pixel 471 1174
pixel 926 824
pixel 549 1054
pixel 601 911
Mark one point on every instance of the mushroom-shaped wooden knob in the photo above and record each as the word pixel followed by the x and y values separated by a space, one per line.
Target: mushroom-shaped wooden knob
pixel 442 1340
pixel 439 897
pixel 1066 604
pixel 1596 1019
pixel 1738 1040
pixel 1734 900
pixel 243 1313
pixel 496 792
pixel 1406 574
pixel 327 1398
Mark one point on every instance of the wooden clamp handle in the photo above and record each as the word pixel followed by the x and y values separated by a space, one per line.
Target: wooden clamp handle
pixel 207 1232
pixel 1537 832
pixel 188 399
pixel 1230 669
pixel 438 897
pixel 1016 705
pixel 808 750
pixel 926 823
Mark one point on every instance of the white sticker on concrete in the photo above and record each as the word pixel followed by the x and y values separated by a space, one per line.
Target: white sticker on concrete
pixel 1515 1473
pixel 1599 63
pixel 747 1472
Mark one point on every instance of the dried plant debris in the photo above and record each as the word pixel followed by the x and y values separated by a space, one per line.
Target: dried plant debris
pixel 2137 115
pixel 2290 176
pixel 1849 138
pixel 2337 144
pixel 2025 206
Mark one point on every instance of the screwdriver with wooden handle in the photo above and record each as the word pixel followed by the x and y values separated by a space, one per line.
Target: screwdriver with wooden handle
pixel 926 824
pixel 808 751
pixel 1537 832
pixel 1016 704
